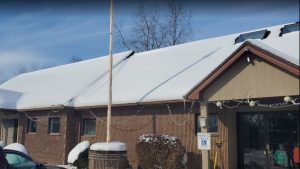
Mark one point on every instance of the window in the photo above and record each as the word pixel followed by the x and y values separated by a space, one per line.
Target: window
pixel 54 125
pixel 89 127
pixel 212 123
pixel 252 35
pixel 289 28
pixel 31 128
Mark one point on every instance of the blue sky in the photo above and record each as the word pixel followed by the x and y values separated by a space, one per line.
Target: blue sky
pixel 51 33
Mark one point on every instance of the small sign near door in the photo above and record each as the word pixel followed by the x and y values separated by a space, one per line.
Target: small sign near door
pixel 203 141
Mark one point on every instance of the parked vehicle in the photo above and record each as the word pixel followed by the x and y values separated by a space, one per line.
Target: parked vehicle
pixel 19 160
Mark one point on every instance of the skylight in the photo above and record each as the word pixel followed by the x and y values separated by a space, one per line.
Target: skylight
pixel 262 34
pixel 289 28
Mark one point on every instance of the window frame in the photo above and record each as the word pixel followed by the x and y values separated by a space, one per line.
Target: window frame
pixel 29 125
pixel 197 123
pixel 83 125
pixel 50 126
pixel 287 28
pixel 243 37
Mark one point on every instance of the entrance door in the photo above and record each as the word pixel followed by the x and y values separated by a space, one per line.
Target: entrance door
pixel 267 140
pixel 10 127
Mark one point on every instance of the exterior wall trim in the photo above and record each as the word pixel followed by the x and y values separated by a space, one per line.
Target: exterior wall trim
pixel 96 106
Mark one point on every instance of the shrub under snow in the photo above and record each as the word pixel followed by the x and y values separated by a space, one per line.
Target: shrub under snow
pixel 160 152
pixel 78 156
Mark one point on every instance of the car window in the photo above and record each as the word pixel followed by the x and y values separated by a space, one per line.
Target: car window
pixel 20 162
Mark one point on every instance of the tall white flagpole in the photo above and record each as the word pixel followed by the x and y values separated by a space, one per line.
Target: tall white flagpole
pixel 108 135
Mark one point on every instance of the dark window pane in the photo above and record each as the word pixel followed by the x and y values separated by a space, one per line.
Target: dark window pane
pixel 89 127
pixel 252 35
pixel 290 28
pixel 54 125
pixel 212 123
pixel 198 127
pixel 31 125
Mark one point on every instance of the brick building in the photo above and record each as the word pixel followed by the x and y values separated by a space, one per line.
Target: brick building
pixel 245 85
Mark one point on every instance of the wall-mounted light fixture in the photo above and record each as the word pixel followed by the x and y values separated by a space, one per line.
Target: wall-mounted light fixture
pixel 252 103
pixel 219 104
pixel 287 99
pixel 248 59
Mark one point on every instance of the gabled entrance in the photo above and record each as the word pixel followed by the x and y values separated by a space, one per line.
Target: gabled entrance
pixel 266 140
pixel 253 74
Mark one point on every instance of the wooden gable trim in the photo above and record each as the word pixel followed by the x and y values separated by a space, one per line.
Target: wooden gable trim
pixel 246 47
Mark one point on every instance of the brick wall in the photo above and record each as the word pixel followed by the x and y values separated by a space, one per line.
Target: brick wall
pixel 73 132
pixel 43 146
pixel 128 125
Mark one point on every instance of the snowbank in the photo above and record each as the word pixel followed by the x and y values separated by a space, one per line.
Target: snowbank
pixel 17 147
pixel 147 138
pixel 79 148
pixel 2 144
pixel 67 166
pixel 111 146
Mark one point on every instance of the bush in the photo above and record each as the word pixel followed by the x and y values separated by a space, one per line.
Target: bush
pixel 82 161
pixel 160 152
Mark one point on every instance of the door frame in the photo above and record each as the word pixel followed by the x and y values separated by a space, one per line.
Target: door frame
pixel 4 130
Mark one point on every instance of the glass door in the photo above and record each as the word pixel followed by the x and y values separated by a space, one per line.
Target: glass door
pixel 268 140
pixel 283 131
pixel 252 141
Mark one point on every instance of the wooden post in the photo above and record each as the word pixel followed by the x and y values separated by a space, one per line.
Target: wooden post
pixel 205 153
pixel 108 136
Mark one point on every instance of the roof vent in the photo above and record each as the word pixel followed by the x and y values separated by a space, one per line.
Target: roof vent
pixel 289 28
pixel 132 53
pixel 262 34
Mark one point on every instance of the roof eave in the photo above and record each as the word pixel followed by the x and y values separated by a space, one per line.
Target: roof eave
pixel 59 107
pixel 7 110
pixel 131 104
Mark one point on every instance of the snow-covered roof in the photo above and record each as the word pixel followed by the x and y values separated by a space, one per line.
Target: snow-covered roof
pixel 159 75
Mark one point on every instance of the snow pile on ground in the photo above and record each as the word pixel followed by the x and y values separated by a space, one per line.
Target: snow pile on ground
pixel 17 147
pixel 2 144
pixel 111 146
pixel 75 152
pixel 147 138
pixel 67 166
